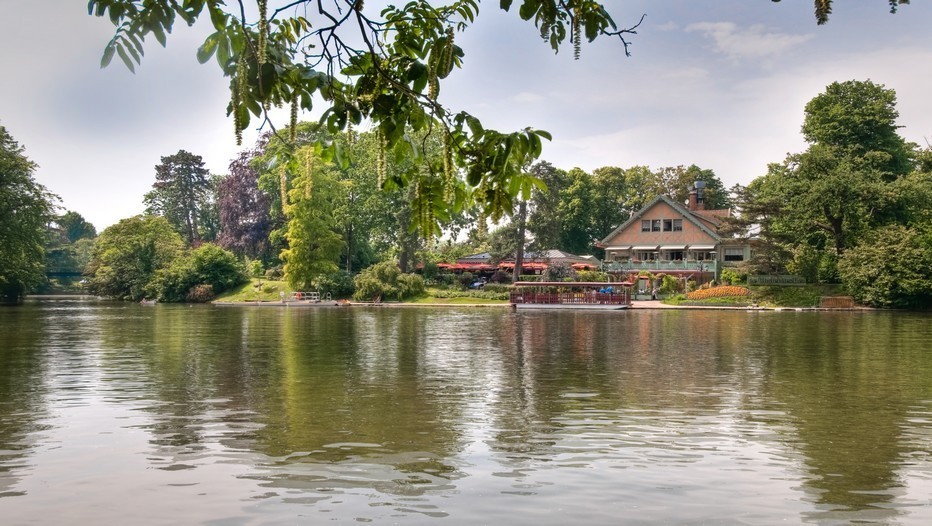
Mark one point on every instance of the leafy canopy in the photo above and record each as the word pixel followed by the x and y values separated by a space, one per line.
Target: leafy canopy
pixel 383 67
pixel 128 255
pixel 25 209
pixel 183 194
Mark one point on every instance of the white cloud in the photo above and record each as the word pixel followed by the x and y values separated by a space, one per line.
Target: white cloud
pixel 752 43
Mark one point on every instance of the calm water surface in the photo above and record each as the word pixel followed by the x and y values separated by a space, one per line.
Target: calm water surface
pixel 124 414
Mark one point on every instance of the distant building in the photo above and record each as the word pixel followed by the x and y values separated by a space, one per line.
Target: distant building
pixel 672 238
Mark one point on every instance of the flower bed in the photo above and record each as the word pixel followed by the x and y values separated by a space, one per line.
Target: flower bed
pixel 727 291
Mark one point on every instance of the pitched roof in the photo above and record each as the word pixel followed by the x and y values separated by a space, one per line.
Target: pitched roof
pixel 700 221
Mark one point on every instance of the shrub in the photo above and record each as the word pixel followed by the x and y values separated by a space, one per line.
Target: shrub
pixel 500 277
pixel 205 265
pixel 430 270
pixel 481 294
pixel 892 268
pixel 410 285
pixel 339 284
pixel 731 276
pixel 200 294
pixel 466 279
pixel 670 285
pixel 498 287
pixel 592 275
pixel 559 272
pixel 275 273
pixel 385 280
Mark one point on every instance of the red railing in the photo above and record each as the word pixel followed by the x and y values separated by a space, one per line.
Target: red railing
pixel 570 298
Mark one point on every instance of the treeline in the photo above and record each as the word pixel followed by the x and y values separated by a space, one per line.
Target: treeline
pixel 318 208
pixel 287 209
pixel 853 208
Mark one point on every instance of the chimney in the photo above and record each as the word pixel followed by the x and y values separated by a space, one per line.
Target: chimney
pixel 697 196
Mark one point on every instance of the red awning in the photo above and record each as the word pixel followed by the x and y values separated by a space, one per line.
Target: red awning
pixel 473 267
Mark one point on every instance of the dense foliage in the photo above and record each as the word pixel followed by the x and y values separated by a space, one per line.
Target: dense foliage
pixel 184 194
pixel 853 207
pixel 25 208
pixel 128 255
pixel 384 67
pixel 198 275
pixel 386 281
pixel 244 210
pixel 891 268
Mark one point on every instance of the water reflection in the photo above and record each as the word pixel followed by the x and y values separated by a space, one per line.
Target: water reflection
pixel 262 415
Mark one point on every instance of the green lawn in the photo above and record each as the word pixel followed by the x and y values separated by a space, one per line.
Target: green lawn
pixel 256 290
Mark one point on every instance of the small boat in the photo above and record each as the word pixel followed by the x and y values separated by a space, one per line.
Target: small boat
pixel 148 302
pixel 576 295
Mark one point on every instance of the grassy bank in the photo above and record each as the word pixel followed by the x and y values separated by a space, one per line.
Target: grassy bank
pixel 796 297
pixel 256 290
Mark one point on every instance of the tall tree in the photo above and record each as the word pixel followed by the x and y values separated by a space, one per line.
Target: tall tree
pixel 75 227
pixel 858 118
pixel 609 196
pixel 181 193
pixel 577 234
pixel 314 245
pixel 851 180
pixel 25 209
pixel 128 255
pixel 244 210
pixel 677 182
pixel 544 221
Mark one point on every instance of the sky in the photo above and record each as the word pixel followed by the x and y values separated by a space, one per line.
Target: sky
pixel 717 83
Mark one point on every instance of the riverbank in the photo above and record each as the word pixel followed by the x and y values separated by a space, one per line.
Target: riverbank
pixel 636 305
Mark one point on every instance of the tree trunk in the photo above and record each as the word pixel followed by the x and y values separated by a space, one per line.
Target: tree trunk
pixel 519 252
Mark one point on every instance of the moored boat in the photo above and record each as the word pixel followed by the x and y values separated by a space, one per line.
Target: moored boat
pixel 578 295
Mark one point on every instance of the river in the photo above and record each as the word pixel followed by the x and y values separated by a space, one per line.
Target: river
pixel 116 413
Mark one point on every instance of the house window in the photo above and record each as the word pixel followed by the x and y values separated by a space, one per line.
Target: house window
pixel 668 225
pixel 677 225
pixel 734 254
pixel 645 225
pixel 655 225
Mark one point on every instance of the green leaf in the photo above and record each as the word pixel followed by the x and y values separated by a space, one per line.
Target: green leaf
pixel 159 34
pixel 218 18
pixel 528 9
pixel 208 48
pixel 108 54
pixel 125 58
pixel 474 126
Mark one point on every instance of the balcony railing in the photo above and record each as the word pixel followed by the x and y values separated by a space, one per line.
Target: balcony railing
pixel 660 266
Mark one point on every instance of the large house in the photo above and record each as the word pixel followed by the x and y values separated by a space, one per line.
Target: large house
pixel 672 238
